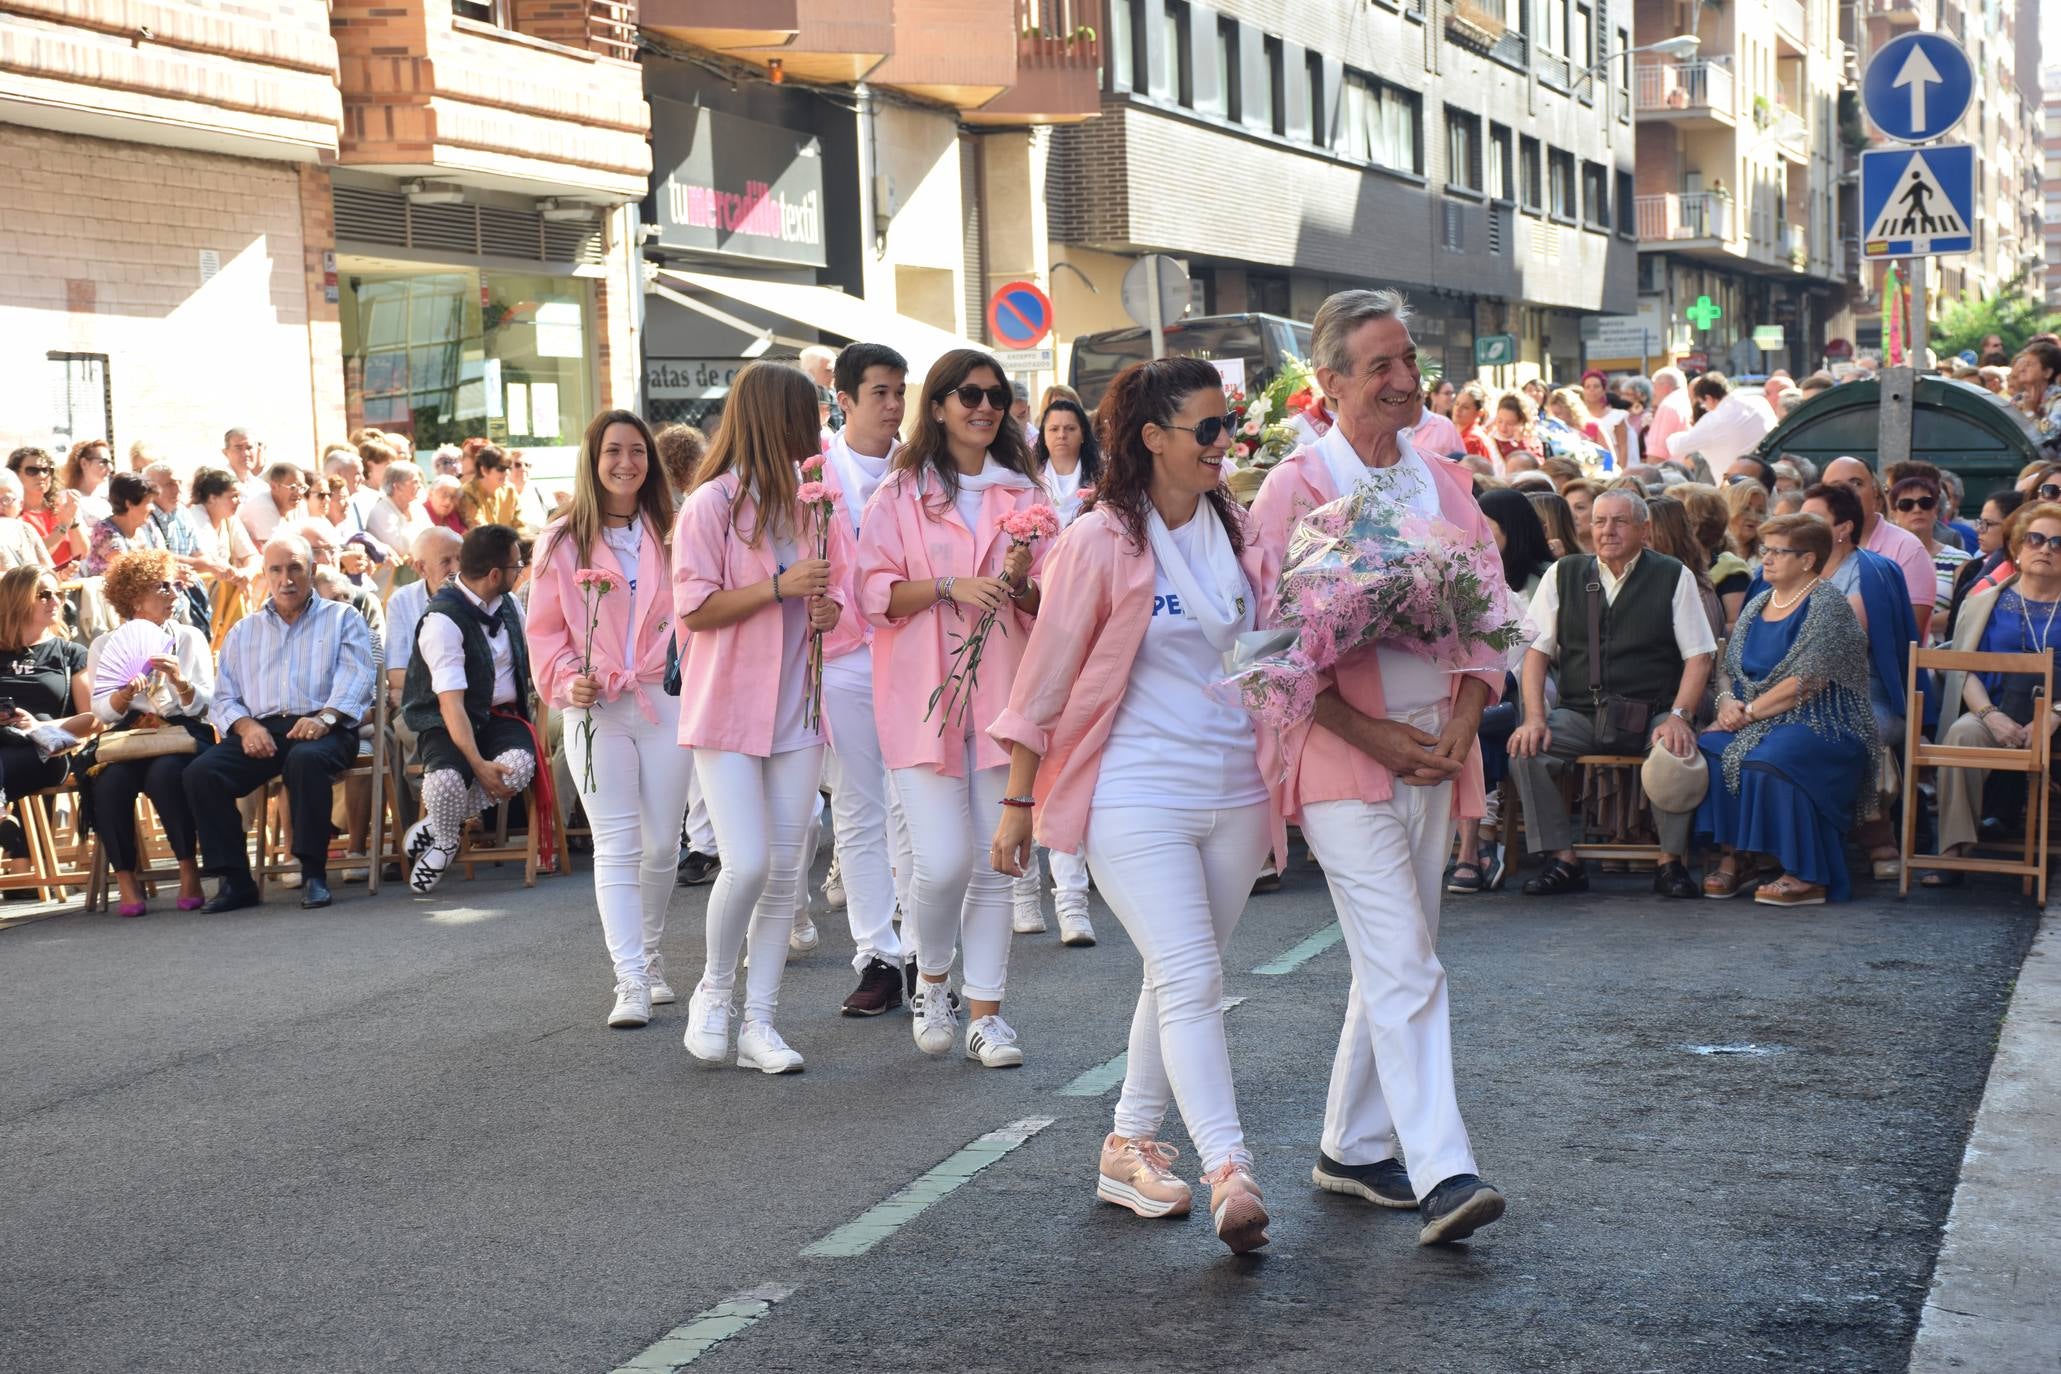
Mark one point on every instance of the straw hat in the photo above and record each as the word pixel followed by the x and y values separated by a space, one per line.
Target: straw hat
pixel 1674 784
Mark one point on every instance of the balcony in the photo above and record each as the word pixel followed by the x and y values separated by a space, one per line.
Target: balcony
pixel 1701 217
pixel 1688 92
pixel 1058 65
pixel 1792 25
pixel 960 53
pixel 1796 246
pixel 832 41
pixel 1900 13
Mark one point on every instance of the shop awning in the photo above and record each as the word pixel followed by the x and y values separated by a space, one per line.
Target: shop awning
pixel 832 312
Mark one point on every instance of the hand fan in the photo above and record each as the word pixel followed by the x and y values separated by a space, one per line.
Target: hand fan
pixel 126 653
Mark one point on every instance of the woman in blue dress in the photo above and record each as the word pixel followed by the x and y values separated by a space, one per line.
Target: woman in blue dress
pixel 1796 736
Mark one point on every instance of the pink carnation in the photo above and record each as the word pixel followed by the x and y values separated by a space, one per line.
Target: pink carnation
pixel 812 466
pixel 1039 522
pixel 1086 494
pixel 594 579
pixel 814 493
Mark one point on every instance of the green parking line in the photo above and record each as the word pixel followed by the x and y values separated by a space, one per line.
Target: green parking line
pixel 688 1342
pixel 877 1223
pixel 1098 1080
pixel 1293 958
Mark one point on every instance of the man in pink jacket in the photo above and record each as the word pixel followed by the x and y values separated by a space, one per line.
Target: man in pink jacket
pixel 1373 782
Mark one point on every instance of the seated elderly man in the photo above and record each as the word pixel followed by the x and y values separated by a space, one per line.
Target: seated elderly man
pixel 1626 635
pixel 293 680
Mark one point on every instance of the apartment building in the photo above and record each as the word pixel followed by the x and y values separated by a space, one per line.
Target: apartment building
pixel 316 215
pixel 2050 184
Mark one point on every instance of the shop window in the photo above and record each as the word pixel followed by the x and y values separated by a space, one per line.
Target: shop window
pixel 442 356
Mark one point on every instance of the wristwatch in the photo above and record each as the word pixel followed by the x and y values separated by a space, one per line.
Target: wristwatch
pixel 329 717
pixel 1679 714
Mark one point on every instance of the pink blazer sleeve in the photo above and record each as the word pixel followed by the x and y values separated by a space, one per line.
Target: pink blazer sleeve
pixel 1078 590
pixel 698 547
pixel 851 630
pixel 882 559
pixel 554 657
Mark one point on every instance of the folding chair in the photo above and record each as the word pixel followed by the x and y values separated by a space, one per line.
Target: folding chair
pixel 274 856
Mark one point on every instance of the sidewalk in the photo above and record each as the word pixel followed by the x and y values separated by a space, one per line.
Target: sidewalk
pixel 1995 1305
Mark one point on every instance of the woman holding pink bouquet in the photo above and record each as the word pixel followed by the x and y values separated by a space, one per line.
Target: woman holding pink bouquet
pixel 750 592
pixel 600 658
pixel 1125 755
pixel 951 595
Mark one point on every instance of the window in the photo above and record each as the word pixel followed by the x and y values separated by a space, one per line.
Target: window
pixel 1320 124
pixel 1627 223
pixel 1531 176
pixel 1227 69
pixel 1380 124
pixel 1127 57
pixel 1271 83
pixel 1560 187
pixel 1583 36
pixel 1555 40
pixel 1596 195
pixel 1622 61
pixel 485 11
pixel 1180 73
pixel 1502 164
pixel 1463 149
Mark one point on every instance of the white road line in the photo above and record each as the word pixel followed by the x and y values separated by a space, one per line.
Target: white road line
pixel 877 1223
pixel 688 1342
pixel 1294 957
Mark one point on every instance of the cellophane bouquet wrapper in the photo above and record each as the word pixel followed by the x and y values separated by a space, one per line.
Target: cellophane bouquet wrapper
pixel 1365 570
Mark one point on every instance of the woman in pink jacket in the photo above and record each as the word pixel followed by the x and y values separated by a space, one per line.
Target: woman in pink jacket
pixel 747 596
pixel 1116 743
pixel 619 723
pixel 932 560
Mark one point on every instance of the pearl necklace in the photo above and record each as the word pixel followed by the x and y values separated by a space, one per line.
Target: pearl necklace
pixel 1782 605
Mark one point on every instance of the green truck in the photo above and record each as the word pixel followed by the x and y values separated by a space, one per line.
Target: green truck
pixel 1959 427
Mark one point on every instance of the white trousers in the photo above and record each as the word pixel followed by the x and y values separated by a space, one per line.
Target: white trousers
pixel 1069 881
pixel 701 836
pixel 640 775
pixel 866 817
pixel 957 895
pixel 1178 880
pixel 1393 1073
pixel 761 809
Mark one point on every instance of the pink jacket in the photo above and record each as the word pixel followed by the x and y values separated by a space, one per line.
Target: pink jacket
pixel 908 539
pixel 854 631
pixel 1308 762
pixel 1077 667
pixel 558 621
pixel 729 678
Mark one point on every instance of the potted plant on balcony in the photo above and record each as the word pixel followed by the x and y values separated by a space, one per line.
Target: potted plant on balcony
pixel 1763 112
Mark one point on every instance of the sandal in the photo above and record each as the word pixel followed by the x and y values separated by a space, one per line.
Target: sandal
pixel 1719 884
pixel 1464 879
pixel 1788 891
pixel 1493 870
pixel 1557 878
pixel 1886 868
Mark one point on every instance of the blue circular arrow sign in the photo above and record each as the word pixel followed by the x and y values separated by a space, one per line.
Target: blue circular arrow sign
pixel 1917 87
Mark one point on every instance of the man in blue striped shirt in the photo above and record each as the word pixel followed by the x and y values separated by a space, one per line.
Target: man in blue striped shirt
pixel 293 681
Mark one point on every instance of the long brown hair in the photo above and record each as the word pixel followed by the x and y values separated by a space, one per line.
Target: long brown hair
pixel 770 425
pixel 1150 394
pixel 930 446
pixel 582 524
pixel 17 602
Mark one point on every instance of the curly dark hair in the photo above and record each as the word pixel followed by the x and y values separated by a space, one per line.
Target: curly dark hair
pixel 1150 394
pixel 1091 452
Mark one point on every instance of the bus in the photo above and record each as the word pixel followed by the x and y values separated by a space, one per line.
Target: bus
pixel 1261 342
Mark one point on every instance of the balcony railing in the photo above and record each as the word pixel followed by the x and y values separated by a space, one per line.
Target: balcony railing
pixel 1058 65
pixel 1694 85
pixel 1792 18
pixel 1796 245
pixel 1688 215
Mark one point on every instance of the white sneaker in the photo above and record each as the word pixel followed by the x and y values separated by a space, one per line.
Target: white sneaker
pixel 833 886
pixel 357 872
pixel 655 978
pixel 803 938
pixel 1030 915
pixel 429 868
pixel 632 1004
pixel 1075 928
pixel 992 1041
pixel 935 1027
pixel 415 839
pixel 708 1026
pixel 760 1047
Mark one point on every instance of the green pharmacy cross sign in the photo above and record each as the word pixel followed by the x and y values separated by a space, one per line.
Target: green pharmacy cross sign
pixel 1704 313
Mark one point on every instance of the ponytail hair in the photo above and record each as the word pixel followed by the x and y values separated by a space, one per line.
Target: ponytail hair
pixel 1150 394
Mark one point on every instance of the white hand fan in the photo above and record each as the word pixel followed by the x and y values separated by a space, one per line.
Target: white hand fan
pixel 126 653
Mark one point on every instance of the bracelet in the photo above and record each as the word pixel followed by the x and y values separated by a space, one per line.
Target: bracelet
pixel 777 598
pixel 1024 802
pixel 1021 592
pixel 944 590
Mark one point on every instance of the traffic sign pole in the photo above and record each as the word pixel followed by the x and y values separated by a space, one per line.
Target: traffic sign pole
pixel 1155 319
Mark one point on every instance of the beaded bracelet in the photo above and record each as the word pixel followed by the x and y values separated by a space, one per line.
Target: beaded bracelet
pixel 777 598
pixel 1024 802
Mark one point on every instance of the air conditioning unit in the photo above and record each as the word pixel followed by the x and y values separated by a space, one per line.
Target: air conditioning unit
pixel 434 193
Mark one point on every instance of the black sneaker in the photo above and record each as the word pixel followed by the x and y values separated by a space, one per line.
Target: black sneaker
pixel 1385 1183
pixel 1457 1208
pixel 697 868
pixel 879 990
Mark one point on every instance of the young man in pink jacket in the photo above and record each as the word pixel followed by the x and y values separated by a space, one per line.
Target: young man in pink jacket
pixel 1373 783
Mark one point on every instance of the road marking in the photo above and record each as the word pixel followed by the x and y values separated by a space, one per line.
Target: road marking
pixel 1293 958
pixel 877 1223
pixel 688 1342
pixel 1098 1080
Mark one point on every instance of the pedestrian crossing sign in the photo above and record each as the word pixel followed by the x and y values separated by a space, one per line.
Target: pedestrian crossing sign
pixel 1918 201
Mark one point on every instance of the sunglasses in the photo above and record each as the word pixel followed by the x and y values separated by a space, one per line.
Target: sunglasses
pixel 28 471
pixel 1911 503
pixel 165 588
pixel 45 594
pixel 2050 491
pixel 1210 430
pixel 999 397
pixel 2033 539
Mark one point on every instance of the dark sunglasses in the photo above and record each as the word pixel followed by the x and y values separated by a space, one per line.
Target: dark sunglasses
pixel 1210 430
pixel 2050 491
pixel 2033 539
pixel 166 588
pixel 28 471
pixel 999 397
pixel 1911 503
pixel 45 594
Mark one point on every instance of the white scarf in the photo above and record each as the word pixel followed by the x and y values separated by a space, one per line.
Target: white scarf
pixel 1220 600
pixel 855 476
pixel 1408 481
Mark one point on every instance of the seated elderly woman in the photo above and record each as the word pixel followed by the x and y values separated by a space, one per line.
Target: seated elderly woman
pixel 1795 738
pixel 141 586
pixel 1991 710
pixel 128 526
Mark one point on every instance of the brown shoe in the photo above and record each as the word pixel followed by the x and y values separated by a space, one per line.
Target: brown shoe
pixel 879 990
pixel 1136 1174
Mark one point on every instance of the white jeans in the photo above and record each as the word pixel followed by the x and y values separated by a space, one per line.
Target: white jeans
pixel 761 809
pixel 1178 880
pixel 958 896
pixel 640 776
pixel 1393 1074
pixel 701 836
pixel 866 818
pixel 1069 881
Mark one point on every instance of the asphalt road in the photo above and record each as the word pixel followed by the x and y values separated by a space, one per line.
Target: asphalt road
pixel 397 1136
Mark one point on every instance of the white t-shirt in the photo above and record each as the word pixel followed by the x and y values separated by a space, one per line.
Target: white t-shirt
pixel 790 725
pixel 443 651
pixel 967 503
pixel 627 545
pixel 1066 493
pixel 1170 745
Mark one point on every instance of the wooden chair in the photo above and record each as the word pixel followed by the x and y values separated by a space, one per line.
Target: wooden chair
pixel 59 855
pixel 481 845
pixel 1614 813
pixel 159 864
pixel 2033 761
pixel 274 838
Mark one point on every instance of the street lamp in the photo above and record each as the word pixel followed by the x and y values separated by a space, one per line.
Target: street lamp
pixel 1681 47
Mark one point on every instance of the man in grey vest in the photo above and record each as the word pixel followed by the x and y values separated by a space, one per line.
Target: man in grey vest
pixel 1626 637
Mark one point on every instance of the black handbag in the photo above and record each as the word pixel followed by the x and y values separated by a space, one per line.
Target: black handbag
pixel 671 685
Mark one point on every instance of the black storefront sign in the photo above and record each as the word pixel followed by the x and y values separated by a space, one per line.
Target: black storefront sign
pixel 736 187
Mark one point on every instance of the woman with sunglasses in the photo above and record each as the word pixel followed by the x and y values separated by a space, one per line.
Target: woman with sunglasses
pixel 1914 505
pixel 43 684
pixel 50 510
pixel 1112 732
pixel 1992 565
pixel 86 470
pixel 932 561
pixel 747 592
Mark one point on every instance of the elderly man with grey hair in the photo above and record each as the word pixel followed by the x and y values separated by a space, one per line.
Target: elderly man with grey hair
pixel 1670 413
pixel 293 681
pixel 1625 635
pixel 1373 783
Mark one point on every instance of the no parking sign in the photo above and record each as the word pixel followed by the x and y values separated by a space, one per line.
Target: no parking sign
pixel 1019 315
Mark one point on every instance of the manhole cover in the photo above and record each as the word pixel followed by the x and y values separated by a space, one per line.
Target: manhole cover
pixel 1742 1051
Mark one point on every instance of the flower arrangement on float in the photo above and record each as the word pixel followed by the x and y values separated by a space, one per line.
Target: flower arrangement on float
pixel 1273 421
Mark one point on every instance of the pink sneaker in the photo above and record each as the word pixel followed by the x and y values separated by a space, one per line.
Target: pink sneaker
pixel 1135 1174
pixel 1235 1206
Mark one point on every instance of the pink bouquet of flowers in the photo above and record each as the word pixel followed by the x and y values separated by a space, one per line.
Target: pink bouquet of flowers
pixel 1024 528
pixel 821 504
pixel 1363 570
pixel 593 584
